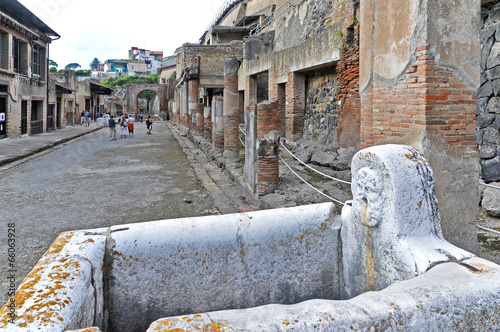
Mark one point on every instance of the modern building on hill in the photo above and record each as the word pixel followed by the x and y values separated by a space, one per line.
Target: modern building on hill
pixel 152 59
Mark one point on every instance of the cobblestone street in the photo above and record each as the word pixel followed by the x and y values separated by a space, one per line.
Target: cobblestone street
pixel 93 182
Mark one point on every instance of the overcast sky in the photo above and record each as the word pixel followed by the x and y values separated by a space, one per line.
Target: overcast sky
pixel 107 29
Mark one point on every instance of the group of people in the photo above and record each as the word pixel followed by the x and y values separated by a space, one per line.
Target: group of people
pixel 85 118
pixel 126 123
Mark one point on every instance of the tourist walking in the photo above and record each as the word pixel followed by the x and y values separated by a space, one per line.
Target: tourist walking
pixel 141 116
pixel 87 118
pixel 123 126
pixel 112 128
pixel 82 118
pixel 149 124
pixel 131 121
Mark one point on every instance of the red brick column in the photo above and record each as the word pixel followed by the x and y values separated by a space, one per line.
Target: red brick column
pixel 231 110
pixel 267 163
pixel 266 118
pixel 200 120
pixel 295 106
pixel 267 148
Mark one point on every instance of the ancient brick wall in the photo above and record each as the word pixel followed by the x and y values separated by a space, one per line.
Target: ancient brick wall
pixel 427 98
pixel 295 105
pixel 349 101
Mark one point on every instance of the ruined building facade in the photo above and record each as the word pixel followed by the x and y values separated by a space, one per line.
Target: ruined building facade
pixel 24 41
pixel 345 75
pixel 32 100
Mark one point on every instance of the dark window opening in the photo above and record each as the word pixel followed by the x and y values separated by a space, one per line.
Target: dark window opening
pixel 16 55
pixel 36 62
pixel 262 87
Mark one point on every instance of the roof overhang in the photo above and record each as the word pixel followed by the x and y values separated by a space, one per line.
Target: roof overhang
pixel 63 89
pixel 99 89
pixel 15 10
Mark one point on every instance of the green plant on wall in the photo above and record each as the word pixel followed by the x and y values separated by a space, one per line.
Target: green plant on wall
pixel 343 44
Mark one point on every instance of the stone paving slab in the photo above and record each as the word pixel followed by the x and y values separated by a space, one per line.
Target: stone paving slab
pixel 14 149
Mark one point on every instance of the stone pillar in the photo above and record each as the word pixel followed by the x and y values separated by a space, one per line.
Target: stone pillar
pixel 250 168
pixel 184 105
pixel 231 110
pixel 280 105
pixel 218 124
pixel 295 106
pixel 423 94
pixel 207 127
pixel 192 103
pixel 250 91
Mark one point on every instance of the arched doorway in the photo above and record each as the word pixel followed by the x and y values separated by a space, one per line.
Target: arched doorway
pixel 138 92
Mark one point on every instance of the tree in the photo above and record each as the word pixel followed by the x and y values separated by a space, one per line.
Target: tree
pixel 83 72
pixel 53 70
pixel 72 66
pixel 52 63
pixel 94 64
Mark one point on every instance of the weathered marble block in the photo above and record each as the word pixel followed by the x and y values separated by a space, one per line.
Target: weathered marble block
pixel 391 229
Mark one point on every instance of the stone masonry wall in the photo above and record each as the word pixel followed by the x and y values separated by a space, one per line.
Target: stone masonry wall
pixel 488 95
pixel 321 106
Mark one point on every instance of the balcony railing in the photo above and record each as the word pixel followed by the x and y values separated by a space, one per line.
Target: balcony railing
pixel 226 7
pixel 285 7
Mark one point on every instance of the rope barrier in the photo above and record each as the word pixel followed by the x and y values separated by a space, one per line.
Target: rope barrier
pixel 313 169
pixel 488 229
pixel 333 199
pixel 489 185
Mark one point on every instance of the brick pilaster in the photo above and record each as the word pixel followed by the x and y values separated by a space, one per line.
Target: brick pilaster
pixel 295 106
pixel 231 109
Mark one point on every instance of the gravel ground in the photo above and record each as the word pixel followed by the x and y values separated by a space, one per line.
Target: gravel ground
pixel 93 182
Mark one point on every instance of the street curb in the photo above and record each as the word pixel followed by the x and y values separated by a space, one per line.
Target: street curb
pixel 46 147
pixel 218 195
pixel 230 170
